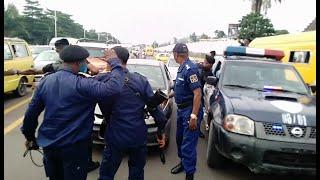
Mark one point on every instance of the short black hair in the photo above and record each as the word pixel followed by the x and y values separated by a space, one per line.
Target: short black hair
pixel 61 42
pixel 213 53
pixel 210 59
pixel 122 53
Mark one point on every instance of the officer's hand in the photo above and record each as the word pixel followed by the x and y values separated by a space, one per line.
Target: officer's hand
pixel 192 124
pixel 162 142
pixel 109 54
pixel 31 145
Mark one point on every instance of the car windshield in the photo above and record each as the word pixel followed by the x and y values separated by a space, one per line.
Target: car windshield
pixel 48 56
pixel 172 63
pixel 38 50
pixel 263 76
pixel 95 52
pixel 153 73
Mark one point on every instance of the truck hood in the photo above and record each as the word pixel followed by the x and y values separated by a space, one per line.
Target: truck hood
pixel 274 107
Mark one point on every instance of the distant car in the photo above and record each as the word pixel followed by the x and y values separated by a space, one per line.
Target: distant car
pixel 45 58
pixel 96 51
pixel 37 49
pixel 158 76
pixel 264 115
pixel 162 57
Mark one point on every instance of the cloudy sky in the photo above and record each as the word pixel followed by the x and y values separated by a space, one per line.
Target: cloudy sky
pixel 143 21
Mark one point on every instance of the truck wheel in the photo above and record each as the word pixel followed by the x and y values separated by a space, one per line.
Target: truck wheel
pixel 214 158
pixel 22 87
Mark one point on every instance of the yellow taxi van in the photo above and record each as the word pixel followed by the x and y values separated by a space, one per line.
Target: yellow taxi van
pixel 299 49
pixel 17 56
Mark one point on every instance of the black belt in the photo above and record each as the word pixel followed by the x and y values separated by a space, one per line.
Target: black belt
pixel 184 104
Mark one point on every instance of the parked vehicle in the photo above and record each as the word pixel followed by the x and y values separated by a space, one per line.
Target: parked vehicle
pixel 17 55
pixel 162 57
pixel 299 49
pixel 45 58
pixel 264 115
pixel 37 49
pixel 158 76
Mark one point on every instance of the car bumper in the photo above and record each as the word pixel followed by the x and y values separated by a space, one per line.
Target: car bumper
pixel 265 156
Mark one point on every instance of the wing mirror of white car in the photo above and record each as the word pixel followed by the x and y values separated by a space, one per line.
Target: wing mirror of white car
pixel 212 80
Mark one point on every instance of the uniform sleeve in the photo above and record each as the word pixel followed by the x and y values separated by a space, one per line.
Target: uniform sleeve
pixel 30 121
pixel 158 115
pixel 92 88
pixel 192 78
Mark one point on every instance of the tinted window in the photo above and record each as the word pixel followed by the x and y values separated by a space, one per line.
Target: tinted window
pixel 20 50
pixel 7 53
pixel 152 73
pixel 261 75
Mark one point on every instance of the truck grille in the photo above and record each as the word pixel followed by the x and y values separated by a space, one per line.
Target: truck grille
pixel 290 127
pixel 290 159
pixel 285 130
pixel 270 131
pixel 313 133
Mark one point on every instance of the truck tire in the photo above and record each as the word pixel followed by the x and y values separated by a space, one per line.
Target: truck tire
pixel 214 158
pixel 22 87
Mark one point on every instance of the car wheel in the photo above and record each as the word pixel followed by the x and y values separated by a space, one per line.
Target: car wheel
pixel 214 158
pixel 22 87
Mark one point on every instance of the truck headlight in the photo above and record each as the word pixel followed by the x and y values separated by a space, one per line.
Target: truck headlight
pixel 239 124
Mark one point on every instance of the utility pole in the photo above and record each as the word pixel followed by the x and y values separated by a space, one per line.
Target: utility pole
pixel 84 33
pixel 55 23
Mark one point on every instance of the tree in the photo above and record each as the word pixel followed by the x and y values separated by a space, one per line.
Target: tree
pixel 12 23
pixel 193 37
pixel 279 32
pixel 255 25
pixel 155 44
pixel 175 40
pixel 204 36
pixel 256 5
pixel 219 34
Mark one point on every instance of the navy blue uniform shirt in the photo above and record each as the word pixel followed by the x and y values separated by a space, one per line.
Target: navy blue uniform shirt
pixel 126 126
pixel 69 101
pixel 187 80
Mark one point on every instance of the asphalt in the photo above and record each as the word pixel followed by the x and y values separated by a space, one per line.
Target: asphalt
pixel 16 167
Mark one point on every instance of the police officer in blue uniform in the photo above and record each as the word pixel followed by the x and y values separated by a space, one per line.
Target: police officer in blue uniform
pixel 69 101
pixel 188 96
pixel 126 131
pixel 205 70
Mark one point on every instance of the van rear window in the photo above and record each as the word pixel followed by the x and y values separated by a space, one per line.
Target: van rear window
pixel 299 56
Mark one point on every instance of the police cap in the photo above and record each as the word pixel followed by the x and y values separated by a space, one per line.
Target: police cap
pixel 61 42
pixel 180 48
pixel 73 53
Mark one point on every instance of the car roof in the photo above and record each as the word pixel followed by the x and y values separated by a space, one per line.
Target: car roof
pixel 92 44
pixel 148 62
pixel 257 61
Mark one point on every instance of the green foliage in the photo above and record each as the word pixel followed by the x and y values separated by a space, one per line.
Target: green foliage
pixel 219 34
pixel 255 25
pixel 193 37
pixel 36 25
pixel 279 32
pixel 204 36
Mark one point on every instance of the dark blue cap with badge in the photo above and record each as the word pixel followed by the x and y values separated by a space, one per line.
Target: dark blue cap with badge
pixel 73 53
pixel 180 48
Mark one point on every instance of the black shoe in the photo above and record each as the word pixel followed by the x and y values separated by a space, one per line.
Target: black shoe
pixel 201 135
pixel 189 177
pixel 177 169
pixel 93 166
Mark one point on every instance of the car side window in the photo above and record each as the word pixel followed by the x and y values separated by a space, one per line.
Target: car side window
pixel 7 53
pixel 217 71
pixel 20 50
pixel 299 56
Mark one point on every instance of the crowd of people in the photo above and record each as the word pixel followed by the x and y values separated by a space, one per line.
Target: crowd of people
pixel 69 99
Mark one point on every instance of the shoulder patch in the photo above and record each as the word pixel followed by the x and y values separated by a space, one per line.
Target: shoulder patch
pixel 193 78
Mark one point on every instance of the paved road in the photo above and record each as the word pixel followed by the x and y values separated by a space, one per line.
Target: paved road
pixel 18 168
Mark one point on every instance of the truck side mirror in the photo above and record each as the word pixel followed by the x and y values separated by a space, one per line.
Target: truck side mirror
pixel 212 80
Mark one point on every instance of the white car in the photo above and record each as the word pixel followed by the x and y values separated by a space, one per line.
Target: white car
pixel 44 58
pixel 172 67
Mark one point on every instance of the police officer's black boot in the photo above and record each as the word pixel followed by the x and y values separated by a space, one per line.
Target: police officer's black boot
pixel 189 176
pixel 177 169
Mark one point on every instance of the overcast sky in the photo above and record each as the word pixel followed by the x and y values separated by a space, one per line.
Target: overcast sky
pixel 143 21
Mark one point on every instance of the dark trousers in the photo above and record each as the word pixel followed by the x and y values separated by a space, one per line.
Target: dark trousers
pixel 112 157
pixel 66 163
pixel 187 140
